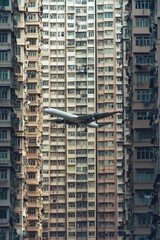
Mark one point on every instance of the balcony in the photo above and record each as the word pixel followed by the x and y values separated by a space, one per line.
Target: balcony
pixel 143 185
pixel 141 12
pixel 141 105
pixel 4 222
pixel 32 217
pixel 5 82
pixel 32 182
pixel 5 203
pixel 138 30
pixel 4 183
pixel 4 162
pixel 140 163
pixel 34 91
pixel 142 209
pixel 6 25
pixel 5 103
pixel 142 229
pixel 144 143
pixel 141 49
pixel 140 124
pixel 5 143
pixel 33 193
pixel 32 228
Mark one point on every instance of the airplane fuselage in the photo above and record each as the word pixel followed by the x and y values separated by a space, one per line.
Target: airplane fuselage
pixel 69 117
pixel 62 114
pixel 89 120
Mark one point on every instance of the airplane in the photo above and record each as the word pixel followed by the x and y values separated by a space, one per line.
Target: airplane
pixel 78 120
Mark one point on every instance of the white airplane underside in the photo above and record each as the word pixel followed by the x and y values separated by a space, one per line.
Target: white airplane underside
pixel 80 124
pixel 79 120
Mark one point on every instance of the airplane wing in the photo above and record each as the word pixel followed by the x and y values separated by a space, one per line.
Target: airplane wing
pixel 103 124
pixel 76 119
pixel 95 116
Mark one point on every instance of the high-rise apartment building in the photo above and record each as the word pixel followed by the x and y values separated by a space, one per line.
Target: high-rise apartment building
pixel 33 118
pixel 97 56
pixel 142 150
pixel 8 121
pixel 82 73
pixel 20 123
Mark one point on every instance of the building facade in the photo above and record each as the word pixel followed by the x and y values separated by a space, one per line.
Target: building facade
pixel 82 74
pixel 57 181
pixel 142 146
pixel 8 121
pixel 20 123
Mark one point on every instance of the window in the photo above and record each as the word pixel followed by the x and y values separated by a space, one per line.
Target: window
pixel 142 134
pixel 82 235
pixel 31 74
pixel 3 193
pixel 142 78
pixel 143 59
pixel 31 16
pixel 144 153
pixel 32 223
pixel 32 98
pixel 4 3
pixel 31 29
pixel 32 199
pixel 32 175
pixel 3 213
pixel 32 118
pixel 32 188
pixel 18 33
pixel 71 195
pixel 144 175
pixel 32 53
pixel 143 198
pixel 3 154
pixel 108 15
pixel 32 41
pixel 4 115
pixel 142 237
pixel 3 174
pixel 3 37
pixel 32 4
pixel 142 22
pixel 31 210
pixel 31 64
pixel 143 41
pixel 143 219
pixel 31 86
pixel 18 51
pixel 32 129
pixel 143 95
pixel 142 115
pixel 71 234
pixel 142 4
pixel 4 56
pixel 3 134
pixel 4 17
pixel 32 234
